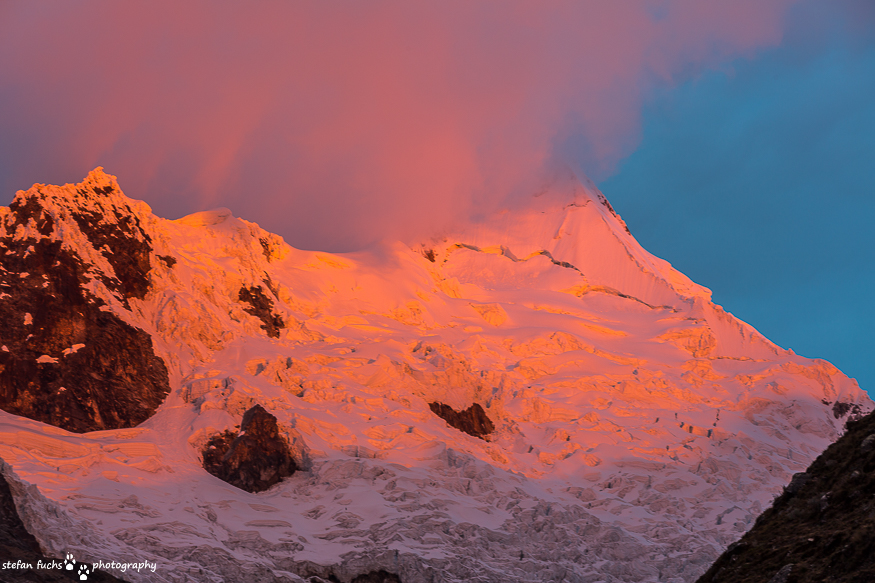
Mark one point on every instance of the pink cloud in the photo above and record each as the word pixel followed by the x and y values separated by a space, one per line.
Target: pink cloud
pixel 335 123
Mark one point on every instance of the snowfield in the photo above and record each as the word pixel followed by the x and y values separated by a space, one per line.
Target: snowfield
pixel 639 428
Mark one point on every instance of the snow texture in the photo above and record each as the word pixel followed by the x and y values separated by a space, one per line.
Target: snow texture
pixel 639 428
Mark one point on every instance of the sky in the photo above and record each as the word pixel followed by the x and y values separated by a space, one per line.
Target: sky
pixel 735 138
pixel 758 181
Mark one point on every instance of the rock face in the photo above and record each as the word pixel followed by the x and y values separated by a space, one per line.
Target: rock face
pixel 261 306
pixel 472 420
pixel 821 528
pixel 254 459
pixel 65 359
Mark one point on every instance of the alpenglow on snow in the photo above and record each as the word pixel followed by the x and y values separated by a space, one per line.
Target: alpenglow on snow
pixel 531 398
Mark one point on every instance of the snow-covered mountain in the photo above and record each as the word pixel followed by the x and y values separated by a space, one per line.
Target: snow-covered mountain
pixel 620 426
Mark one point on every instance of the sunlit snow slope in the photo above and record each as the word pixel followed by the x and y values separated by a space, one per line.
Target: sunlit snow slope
pixel 639 427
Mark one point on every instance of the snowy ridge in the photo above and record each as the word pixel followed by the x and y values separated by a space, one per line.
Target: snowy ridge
pixel 639 428
pixel 59 214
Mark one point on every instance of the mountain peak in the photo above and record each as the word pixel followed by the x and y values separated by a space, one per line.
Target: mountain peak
pixel 97 178
pixel 572 223
pixel 535 383
pixel 98 194
pixel 207 218
pixel 74 256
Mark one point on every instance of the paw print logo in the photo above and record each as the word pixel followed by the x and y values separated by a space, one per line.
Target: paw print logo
pixel 83 572
pixel 69 562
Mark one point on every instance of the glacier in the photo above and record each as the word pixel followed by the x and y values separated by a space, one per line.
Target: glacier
pixel 639 428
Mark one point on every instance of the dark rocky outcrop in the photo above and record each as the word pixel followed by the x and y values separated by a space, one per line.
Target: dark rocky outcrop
pixel 840 409
pixel 265 248
pixel 821 529
pixel 63 359
pixel 380 576
pixel 105 217
pixel 17 544
pixel 121 239
pixel 168 260
pixel 254 459
pixel 261 307
pixel 472 420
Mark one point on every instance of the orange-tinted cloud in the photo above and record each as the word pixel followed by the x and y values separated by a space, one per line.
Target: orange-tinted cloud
pixel 335 123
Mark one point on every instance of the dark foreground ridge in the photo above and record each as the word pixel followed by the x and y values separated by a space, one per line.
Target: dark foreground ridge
pixel 64 359
pixel 472 420
pixel 17 544
pixel 821 529
pixel 254 459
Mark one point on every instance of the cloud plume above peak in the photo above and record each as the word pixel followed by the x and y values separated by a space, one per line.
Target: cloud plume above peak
pixel 337 123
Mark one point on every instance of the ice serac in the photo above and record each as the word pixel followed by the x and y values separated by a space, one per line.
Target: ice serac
pixel 635 429
pixel 17 545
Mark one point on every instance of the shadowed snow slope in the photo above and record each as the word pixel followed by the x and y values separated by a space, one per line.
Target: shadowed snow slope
pixel 820 529
pixel 638 428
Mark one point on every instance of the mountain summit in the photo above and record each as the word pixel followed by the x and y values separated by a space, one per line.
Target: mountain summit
pixel 532 398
